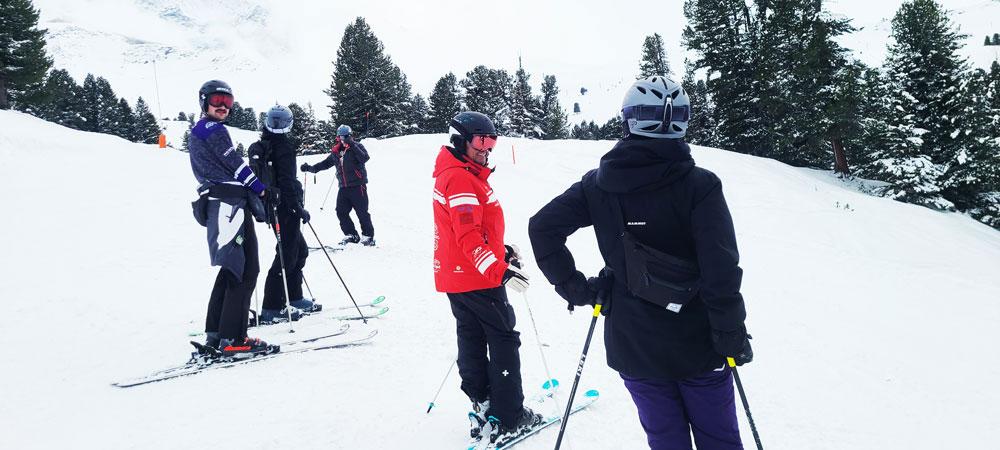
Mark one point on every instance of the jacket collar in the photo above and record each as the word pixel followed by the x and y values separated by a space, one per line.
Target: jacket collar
pixel 446 160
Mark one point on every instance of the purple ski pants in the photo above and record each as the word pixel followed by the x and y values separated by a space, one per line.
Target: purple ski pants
pixel 671 411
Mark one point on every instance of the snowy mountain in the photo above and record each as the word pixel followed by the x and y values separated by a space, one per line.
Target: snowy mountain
pixel 871 318
pixel 281 51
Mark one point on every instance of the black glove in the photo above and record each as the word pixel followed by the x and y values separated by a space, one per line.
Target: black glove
pixel 305 167
pixel 512 256
pixel 515 279
pixel 733 344
pixel 273 198
pixel 576 291
pixel 303 214
pixel 602 285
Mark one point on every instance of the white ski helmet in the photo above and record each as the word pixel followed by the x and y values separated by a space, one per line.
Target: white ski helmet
pixel 656 107
pixel 279 119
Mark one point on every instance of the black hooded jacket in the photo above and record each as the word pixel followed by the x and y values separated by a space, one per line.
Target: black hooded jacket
pixel 282 156
pixel 675 207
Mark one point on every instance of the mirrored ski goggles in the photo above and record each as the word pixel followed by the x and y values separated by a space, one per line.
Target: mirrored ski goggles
pixel 483 142
pixel 649 112
pixel 220 100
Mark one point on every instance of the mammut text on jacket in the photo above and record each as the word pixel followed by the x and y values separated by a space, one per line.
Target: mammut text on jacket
pixel 468 227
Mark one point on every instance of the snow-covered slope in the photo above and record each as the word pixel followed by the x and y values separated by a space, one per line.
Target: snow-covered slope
pixel 873 320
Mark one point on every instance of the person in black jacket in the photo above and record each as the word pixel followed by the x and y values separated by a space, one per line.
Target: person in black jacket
pixel 349 156
pixel 278 156
pixel 672 359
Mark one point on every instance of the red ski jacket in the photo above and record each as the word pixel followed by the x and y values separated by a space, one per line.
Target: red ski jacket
pixel 468 227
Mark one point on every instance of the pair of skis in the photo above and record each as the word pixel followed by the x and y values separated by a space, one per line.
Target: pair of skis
pixel 199 363
pixel 588 399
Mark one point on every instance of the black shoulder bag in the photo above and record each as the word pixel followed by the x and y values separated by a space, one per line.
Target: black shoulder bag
pixel 654 276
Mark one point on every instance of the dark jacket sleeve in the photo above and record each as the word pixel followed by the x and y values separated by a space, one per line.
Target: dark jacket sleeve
pixel 359 152
pixel 327 163
pixel 718 259
pixel 549 228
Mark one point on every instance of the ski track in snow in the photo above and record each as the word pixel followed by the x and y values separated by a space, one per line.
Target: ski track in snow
pixel 870 321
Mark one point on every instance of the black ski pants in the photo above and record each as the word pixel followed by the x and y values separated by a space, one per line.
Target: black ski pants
pixel 356 198
pixel 486 322
pixel 295 249
pixel 229 303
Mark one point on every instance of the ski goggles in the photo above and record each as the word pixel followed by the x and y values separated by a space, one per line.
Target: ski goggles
pixel 220 100
pixel 483 142
pixel 666 114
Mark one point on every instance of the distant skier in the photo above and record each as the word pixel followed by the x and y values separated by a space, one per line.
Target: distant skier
pixel 671 285
pixel 273 158
pixel 468 237
pixel 230 194
pixel 349 156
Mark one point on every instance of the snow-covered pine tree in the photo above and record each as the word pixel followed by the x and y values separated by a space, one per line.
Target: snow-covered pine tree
pixel 611 130
pixel 99 105
pixel 975 167
pixel 802 64
pixel 123 121
pixel 261 118
pixel 23 60
pixel 419 114
pixel 305 134
pixel 554 121
pixel 367 91
pixel 445 103
pixel 701 127
pixel 147 130
pixel 525 108
pixel 724 36
pixel 654 58
pixel 64 102
pixel 181 117
pixel 489 91
pixel 250 119
pixel 926 74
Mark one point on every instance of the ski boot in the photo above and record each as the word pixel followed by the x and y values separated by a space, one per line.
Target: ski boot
pixel 307 306
pixel 477 418
pixel 350 239
pixel 272 316
pixel 368 241
pixel 245 348
pixel 501 433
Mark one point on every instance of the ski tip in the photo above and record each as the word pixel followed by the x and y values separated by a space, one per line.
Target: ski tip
pixel 550 384
pixel 381 311
pixel 378 300
pixel 593 393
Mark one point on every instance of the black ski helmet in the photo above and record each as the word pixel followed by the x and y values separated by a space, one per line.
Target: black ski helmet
pixel 212 87
pixel 468 124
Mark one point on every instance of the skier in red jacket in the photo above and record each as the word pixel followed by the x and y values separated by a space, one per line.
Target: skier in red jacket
pixel 473 266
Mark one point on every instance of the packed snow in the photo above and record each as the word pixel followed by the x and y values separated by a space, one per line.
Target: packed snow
pixel 872 319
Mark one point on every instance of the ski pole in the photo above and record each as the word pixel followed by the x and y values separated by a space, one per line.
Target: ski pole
pixel 431 405
pixel 579 372
pixel 284 276
pixel 313 297
pixel 328 191
pixel 746 406
pixel 363 318
pixel 256 316
pixel 538 338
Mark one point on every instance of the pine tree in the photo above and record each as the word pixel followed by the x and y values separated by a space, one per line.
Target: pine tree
pixel 100 105
pixel 419 115
pixel 367 90
pixel 23 60
pixel 654 58
pixel 305 134
pixel 926 74
pixel 445 103
pixel 64 104
pixel 187 137
pixel 181 117
pixel 701 127
pixel 147 130
pixel 554 120
pixel 123 121
pixel 261 120
pixel 725 38
pixel 525 109
pixel 488 91
pixel 988 42
pixel 611 130
pixel 250 119
pixel 996 38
